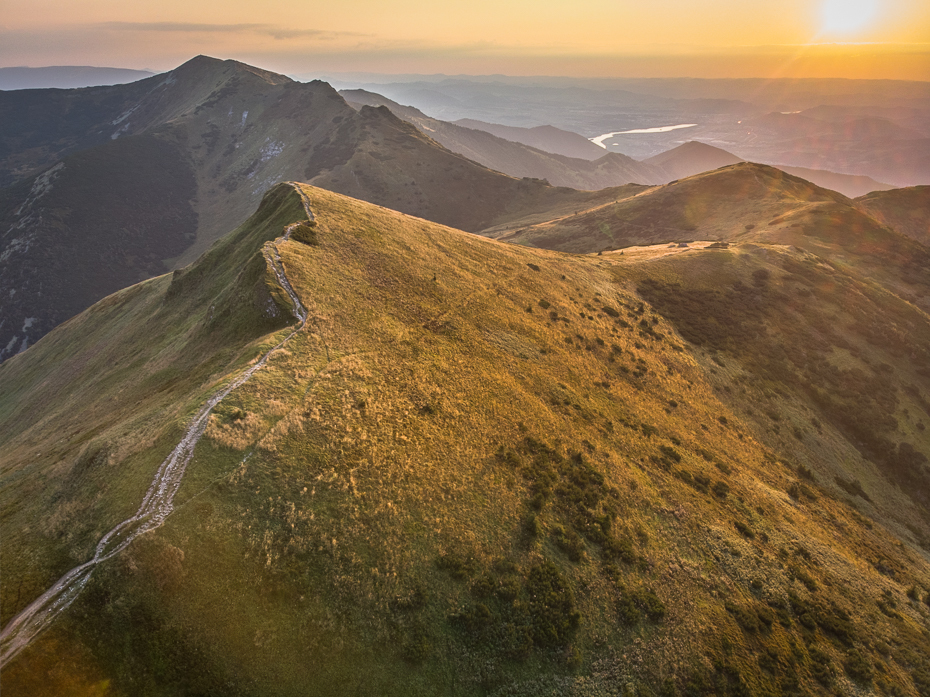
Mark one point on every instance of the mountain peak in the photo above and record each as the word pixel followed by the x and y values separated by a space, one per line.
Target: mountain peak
pixel 206 66
pixel 691 158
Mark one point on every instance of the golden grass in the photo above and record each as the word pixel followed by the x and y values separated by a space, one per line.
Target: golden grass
pixel 367 449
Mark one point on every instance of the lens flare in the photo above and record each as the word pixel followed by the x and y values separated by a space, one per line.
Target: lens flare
pixel 847 16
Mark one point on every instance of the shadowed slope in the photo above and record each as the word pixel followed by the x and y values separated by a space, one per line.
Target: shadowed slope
pixel 517 159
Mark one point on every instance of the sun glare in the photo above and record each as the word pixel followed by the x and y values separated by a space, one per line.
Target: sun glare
pixel 847 16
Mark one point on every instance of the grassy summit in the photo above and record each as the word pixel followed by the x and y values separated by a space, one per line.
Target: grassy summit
pixel 478 469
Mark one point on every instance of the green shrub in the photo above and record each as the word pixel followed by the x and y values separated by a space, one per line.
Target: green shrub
pixel 809 581
pixel 650 604
pixel 551 606
pixel 568 541
pixel 416 645
pixel 744 529
pixel 619 549
pixel 304 232
pixel 745 617
pixel 857 667
pixel 483 587
pixel 456 565
pixel 852 487
pixel 821 667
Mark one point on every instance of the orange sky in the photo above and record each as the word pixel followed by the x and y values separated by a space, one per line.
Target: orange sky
pixel 715 38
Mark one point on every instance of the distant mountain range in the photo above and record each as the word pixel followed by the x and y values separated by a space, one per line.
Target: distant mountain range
pixel 872 128
pixel 599 169
pixel 67 77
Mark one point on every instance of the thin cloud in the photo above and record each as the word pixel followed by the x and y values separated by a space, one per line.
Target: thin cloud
pixel 279 33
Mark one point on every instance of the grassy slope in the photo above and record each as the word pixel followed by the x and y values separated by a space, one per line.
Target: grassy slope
pixel 120 380
pixel 712 205
pixel 906 210
pixel 753 203
pixel 399 512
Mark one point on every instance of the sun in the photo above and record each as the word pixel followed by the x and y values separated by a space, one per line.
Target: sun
pixel 847 16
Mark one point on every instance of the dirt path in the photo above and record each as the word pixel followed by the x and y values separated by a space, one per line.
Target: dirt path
pixel 158 502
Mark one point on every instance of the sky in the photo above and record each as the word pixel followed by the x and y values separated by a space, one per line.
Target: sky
pixel 592 38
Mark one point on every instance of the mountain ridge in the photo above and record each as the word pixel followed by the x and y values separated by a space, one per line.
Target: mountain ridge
pixel 446 441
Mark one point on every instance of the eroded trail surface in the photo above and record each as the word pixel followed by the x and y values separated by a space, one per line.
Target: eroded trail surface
pixel 158 502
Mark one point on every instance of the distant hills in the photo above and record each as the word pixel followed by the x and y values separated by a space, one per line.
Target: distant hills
pixel 548 138
pixel 603 169
pixel 693 158
pixel 67 77
pixel 518 159
pixel 485 468
pixel 872 128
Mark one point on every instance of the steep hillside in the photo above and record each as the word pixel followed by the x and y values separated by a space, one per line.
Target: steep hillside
pixel 748 203
pixel 548 138
pixel 201 144
pixel 906 210
pixel 713 205
pixel 519 160
pixel 476 468
pixel 850 185
pixel 693 158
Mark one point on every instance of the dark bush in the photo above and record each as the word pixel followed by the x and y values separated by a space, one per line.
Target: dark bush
pixel 809 581
pixel 551 606
pixel 569 542
pixel 821 667
pixel 744 529
pixel 619 549
pixel 745 617
pixel 457 565
pixel 857 667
